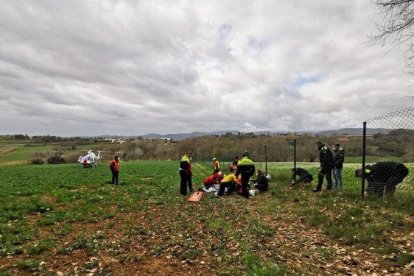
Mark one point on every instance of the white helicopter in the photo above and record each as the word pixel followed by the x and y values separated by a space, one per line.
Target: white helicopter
pixel 90 159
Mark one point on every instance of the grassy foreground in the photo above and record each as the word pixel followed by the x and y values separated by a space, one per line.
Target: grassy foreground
pixel 63 218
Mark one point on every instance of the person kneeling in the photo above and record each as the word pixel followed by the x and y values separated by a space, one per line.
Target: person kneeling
pixel 212 180
pixel 227 182
pixel 304 176
pixel 261 183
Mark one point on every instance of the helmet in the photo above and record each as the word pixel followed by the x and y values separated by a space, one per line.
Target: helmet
pixel 214 159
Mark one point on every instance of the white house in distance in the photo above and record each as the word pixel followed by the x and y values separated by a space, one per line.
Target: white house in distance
pixel 115 140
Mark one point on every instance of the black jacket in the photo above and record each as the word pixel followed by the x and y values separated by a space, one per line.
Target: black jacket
pixel 383 171
pixel 303 174
pixel 339 157
pixel 261 183
pixel 325 157
pixel 299 172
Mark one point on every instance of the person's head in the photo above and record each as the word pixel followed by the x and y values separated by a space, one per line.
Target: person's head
pixel 189 153
pixel 236 158
pixel 259 172
pixel 319 144
pixel 220 173
pixel 214 159
pixel 336 146
pixel 116 158
pixel 358 173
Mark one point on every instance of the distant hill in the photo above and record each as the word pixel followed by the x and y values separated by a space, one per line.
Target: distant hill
pixel 182 136
pixel 352 131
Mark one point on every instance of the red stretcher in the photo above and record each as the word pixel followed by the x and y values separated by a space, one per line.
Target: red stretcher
pixel 196 196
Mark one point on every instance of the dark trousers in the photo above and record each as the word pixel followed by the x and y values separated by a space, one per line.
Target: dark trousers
pixel 325 173
pixel 231 186
pixel 245 177
pixel 115 177
pixel 379 189
pixel 185 181
pixel 262 187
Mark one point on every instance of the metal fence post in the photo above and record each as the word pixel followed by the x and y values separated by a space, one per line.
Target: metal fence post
pixel 364 144
pixel 294 154
pixel 265 153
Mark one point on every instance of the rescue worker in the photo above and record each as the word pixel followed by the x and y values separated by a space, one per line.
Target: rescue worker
pixel 216 165
pixel 186 174
pixel 338 157
pixel 304 176
pixel 326 166
pixel 246 169
pixel 228 182
pixel 211 180
pixel 261 183
pixel 114 166
pixel 383 177
pixel 234 164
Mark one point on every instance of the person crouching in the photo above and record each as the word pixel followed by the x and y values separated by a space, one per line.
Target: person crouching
pixel 212 180
pixel 227 182
pixel 261 183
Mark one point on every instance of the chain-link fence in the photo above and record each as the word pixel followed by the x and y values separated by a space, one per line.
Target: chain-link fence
pixel 388 152
pixel 378 155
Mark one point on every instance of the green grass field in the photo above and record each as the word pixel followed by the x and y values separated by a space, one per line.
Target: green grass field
pixel 69 219
pixel 20 154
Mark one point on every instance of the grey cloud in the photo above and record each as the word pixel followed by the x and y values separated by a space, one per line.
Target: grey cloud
pixel 126 67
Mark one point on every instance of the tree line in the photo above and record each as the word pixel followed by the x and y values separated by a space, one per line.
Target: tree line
pixel 396 143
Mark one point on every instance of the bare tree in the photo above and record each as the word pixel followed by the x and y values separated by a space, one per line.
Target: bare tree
pixel 397 26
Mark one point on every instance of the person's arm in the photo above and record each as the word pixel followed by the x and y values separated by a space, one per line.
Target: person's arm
pixel 321 157
pixel 252 170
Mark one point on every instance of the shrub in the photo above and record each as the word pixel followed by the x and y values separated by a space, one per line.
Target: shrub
pixel 72 158
pixel 37 161
pixel 56 159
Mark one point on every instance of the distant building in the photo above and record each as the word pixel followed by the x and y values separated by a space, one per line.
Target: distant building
pixel 117 141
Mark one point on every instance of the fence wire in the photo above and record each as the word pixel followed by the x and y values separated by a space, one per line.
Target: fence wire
pixel 390 152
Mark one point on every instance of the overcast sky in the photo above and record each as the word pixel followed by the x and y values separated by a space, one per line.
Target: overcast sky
pixel 135 67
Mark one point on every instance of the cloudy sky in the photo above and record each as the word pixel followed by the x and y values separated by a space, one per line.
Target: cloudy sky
pixel 135 67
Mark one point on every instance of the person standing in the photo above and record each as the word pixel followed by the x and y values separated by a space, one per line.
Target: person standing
pixel 114 166
pixel 216 165
pixel 327 164
pixel 185 174
pixel 246 169
pixel 338 157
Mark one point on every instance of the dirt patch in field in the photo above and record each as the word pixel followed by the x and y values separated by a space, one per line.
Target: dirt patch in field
pixel 205 238
pixel 14 163
pixel 48 198
pixel 7 149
